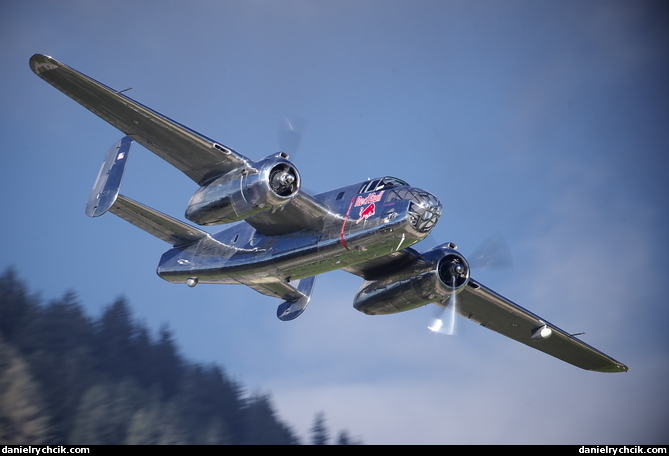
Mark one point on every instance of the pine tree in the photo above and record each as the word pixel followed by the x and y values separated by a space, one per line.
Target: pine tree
pixel 18 312
pixel 166 364
pixel 68 379
pixel 157 423
pixel 63 361
pixel 319 432
pixel 262 427
pixel 345 439
pixel 23 420
pixel 105 412
pixel 115 334
pixel 208 399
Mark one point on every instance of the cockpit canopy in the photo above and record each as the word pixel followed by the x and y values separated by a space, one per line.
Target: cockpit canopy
pixel 383 183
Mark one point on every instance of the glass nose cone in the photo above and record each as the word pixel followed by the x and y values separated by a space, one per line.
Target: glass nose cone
pixel 424 211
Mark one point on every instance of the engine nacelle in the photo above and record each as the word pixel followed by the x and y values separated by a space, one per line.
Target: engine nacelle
pixel 244 192
pixel 438 274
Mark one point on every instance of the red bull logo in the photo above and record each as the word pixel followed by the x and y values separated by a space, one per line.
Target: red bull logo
pixel 367 212
pixel 369 202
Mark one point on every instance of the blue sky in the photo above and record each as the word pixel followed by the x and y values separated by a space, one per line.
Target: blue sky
pixel 544 121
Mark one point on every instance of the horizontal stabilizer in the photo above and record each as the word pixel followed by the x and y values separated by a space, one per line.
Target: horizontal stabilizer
pixel 108 183
pixel 162 226
pixel 295 298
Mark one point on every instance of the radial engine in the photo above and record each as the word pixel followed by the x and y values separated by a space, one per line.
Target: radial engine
pixel 436 275
pixel 266 185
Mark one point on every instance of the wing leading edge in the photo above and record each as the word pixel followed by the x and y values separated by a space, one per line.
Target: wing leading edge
pixel 493 311
pixel 197 156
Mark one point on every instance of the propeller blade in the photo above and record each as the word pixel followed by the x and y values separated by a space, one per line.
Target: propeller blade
pixel 494 253
pixel 445 322
pixel 290 131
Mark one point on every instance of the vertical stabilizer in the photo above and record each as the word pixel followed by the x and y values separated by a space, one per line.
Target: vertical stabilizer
pixel 107 185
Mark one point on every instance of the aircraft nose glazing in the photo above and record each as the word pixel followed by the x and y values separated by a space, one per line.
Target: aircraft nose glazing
pixel 424 211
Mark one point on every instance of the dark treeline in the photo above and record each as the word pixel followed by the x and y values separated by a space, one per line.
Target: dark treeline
pixel 66 378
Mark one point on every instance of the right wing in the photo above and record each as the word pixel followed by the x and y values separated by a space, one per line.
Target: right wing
pixel 304 212
pixel 197 156
pixel 493 311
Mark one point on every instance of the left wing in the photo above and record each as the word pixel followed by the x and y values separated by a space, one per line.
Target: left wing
pixel 493 311
pixel 197 156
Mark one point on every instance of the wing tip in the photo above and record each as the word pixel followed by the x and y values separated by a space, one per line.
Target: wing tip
pixel 612 368
pixel 41 63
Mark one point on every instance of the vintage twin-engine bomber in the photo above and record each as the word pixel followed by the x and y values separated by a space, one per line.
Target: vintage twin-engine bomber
pixel 281 238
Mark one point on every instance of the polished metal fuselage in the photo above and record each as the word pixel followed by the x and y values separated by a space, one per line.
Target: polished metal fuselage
pixel 361 226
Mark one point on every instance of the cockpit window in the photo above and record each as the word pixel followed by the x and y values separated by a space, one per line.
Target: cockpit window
pixel 382 184
pixel 388 182
pixel 369 186
pixel 399 194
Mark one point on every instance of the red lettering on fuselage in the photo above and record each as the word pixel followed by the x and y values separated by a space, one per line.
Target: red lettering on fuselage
pixel 366 212
pixel 369 199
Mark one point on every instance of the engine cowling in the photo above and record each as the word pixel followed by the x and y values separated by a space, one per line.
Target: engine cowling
pixel 433 278
pixel 244 192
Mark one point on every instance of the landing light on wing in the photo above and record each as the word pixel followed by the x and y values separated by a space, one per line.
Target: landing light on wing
pixel 542 332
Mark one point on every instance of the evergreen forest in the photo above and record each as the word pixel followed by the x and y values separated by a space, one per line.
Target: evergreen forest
pixel 67 378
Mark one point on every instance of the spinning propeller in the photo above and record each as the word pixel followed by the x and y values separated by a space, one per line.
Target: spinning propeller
pixel 290 131
pixel 454 272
